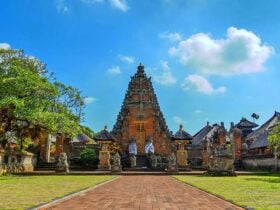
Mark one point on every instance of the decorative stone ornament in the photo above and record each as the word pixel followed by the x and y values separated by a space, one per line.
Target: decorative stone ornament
pixel 62 165
pixel 116 166
pixel 221 155
pixel 172 163
pixel 132 159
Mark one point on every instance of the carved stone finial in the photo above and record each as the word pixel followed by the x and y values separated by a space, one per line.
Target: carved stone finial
pixel 140 68
pixel 105 127
pixel 181 127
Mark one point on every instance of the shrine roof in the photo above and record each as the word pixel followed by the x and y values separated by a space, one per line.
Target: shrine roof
pixel 244 123
pixel 105 135
pixel 200 135
pixel 260 140
pixel 81 138
pixel 259 136
pixel 181 135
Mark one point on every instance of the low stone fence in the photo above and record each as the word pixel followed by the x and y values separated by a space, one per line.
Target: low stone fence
pixel 14 162
pixel 270 164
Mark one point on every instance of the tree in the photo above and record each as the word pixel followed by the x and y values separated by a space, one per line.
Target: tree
pixel 30 99
pixel 274 139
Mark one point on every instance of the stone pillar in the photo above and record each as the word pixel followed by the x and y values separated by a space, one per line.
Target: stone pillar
pixel 104 157
pixel 236 142
pixel 182 155
pixel 205 158
pixel 59 144
pixel 43 136
pixel 48 147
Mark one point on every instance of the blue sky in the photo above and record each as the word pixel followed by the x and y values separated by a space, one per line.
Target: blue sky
pixel 210 60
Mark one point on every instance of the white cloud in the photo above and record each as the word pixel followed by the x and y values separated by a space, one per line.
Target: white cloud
pixel 92 1
pixel 126 58
pixel 120 4
pixel 201 85
pixel 178 120
pixel 5 46
pixel 240 53
pixel 62 6
pixel 115 70
pixel 198 111
pixel 90 100
pixel 164 75
pixel 174 37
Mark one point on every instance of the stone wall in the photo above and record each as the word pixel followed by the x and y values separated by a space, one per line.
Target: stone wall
pixel 261 164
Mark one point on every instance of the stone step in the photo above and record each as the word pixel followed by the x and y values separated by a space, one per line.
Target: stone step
pixel 139 169
pixel 45 166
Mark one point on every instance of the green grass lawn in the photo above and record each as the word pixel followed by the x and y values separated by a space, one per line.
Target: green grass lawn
pixel 258 192
pixel 19 192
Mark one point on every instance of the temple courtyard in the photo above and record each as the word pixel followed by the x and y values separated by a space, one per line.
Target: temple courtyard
pixel 140 192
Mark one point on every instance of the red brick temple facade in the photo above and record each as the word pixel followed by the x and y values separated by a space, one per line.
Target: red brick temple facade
pixel 140 117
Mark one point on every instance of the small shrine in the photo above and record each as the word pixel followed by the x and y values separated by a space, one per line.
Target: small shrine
pixel 104 139
pixel 181 140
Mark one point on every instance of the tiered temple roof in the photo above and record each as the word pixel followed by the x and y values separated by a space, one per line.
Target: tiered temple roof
pixel 244 123
pixel 140 116
pixel 140 75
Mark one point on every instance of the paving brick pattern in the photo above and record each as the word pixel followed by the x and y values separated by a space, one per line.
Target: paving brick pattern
pixel 144 192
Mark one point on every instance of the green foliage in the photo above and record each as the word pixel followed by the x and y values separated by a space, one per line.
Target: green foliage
pixel 88 156
pixel 86 130
pixel 274 138
pixel 30 98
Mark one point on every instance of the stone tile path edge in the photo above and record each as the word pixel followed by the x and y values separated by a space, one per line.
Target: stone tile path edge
pixel 69 196
pixel 213 194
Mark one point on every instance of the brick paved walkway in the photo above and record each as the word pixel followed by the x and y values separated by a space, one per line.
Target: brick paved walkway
pixel 144 192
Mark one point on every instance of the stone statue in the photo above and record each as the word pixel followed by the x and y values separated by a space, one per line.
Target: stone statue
pixel 132 159
pixel 116 167
pixel 149 147
pixel 117 159
pixel 172 163
pixel 153 161
pixel 132 147
pixel 62 165
pixel 244 148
